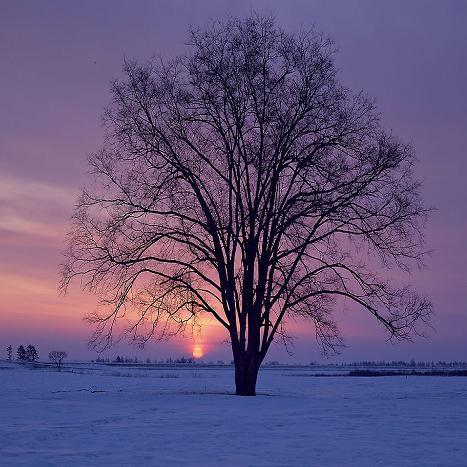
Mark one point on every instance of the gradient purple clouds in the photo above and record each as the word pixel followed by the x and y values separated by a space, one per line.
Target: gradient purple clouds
pixel 57 59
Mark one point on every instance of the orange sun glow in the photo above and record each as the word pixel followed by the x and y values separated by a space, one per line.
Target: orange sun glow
pixel 197 351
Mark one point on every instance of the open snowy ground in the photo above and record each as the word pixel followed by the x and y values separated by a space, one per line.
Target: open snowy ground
pixel 113 416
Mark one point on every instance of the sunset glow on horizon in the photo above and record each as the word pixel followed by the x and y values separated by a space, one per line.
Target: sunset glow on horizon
pixel 198 351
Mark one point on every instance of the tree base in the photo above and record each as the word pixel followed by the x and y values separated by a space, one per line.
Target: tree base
pixel 245 392
pixel 246 374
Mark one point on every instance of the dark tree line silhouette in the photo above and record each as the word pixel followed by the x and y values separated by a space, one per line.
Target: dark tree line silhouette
pixel 28 354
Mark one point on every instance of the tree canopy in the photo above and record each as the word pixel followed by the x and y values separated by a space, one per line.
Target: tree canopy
pixel 245 181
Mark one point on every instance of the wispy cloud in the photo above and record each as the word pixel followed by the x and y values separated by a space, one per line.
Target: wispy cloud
pixel 15 286
pixel 17 190
pixel 34 208
pixel 25 226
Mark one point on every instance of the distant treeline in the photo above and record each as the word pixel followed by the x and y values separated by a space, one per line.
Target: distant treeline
pixel 367 373
pixel 28 354
pixel 410 364
pixel 364 363
pixel 170 360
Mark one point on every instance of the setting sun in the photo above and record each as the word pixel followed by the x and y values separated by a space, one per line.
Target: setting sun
pixel 197 351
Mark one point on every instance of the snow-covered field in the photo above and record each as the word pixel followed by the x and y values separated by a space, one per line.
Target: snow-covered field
pixel 115 416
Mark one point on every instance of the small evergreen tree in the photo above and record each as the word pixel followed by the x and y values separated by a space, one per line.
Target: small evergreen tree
pixel 9 351
pixel 21 353
pixel 31 353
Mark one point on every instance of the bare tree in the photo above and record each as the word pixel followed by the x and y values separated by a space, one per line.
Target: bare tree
pixel 243 180
pixel 57 357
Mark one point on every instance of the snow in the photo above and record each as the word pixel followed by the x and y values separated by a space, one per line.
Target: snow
pixel 95 414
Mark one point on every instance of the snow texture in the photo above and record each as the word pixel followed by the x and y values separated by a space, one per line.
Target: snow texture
pixel 91 414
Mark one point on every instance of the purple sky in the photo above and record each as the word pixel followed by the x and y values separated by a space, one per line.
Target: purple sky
pixel 57 59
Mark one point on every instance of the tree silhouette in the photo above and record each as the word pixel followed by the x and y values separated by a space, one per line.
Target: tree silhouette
pixel 9 351
pixel 31 353
pixel 243 180
pixel 21 353
pixel 57 357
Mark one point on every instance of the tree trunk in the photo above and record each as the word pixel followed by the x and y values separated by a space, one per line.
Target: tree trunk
pixel 246 373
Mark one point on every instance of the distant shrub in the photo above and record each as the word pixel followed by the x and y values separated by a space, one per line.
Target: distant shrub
pixel 57 357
